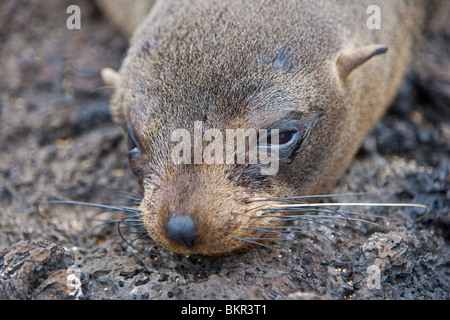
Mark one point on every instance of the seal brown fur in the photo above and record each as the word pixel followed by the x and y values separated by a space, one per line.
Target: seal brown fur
pixel 312 68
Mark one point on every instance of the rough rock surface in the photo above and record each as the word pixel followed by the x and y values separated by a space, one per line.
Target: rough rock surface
pixel 34 270
pixel 57 140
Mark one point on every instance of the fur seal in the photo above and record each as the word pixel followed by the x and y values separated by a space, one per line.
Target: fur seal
pixel 314 70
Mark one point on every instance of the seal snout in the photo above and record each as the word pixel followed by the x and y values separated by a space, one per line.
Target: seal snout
pixel 181 229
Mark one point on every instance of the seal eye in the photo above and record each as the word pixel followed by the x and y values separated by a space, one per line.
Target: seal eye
pixel 284 138
pixel 133 143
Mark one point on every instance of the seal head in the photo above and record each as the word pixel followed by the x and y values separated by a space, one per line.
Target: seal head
pixel 303 76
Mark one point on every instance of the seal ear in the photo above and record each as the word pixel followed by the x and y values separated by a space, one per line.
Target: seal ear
pixel 348 62
pixel 110 78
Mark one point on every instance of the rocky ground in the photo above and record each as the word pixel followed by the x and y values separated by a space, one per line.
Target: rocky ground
pixel 57 140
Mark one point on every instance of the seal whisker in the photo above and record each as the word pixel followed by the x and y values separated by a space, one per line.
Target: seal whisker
pixel 137 217
pixel 101 206
pixel 284 208
pixel 143 234
pixel 130 200
pixel 223 247
pixel 260 238
pixel 109 222
pixel 303 217
pixel 325 225
pixel 369 215
pixel 314 219
pixel 289 229
pixel 124 238
pixel 268 230
pixel 133 196
pixel 130 225
pixel 301 229
pixel 254 242
pixel 123 204
pixel 310 197
pixel 362 204
pixel 261 207
pixel 332 211
pixel 242 214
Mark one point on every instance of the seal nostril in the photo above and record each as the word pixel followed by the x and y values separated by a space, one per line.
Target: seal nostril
pixel 181 229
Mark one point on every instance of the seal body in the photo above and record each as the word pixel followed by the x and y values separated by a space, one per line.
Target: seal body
pixel 313 70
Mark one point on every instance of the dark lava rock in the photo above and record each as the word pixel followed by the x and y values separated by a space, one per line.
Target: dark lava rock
pixel 35 270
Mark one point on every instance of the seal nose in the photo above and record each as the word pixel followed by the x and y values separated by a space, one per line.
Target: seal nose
pixel 181 229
